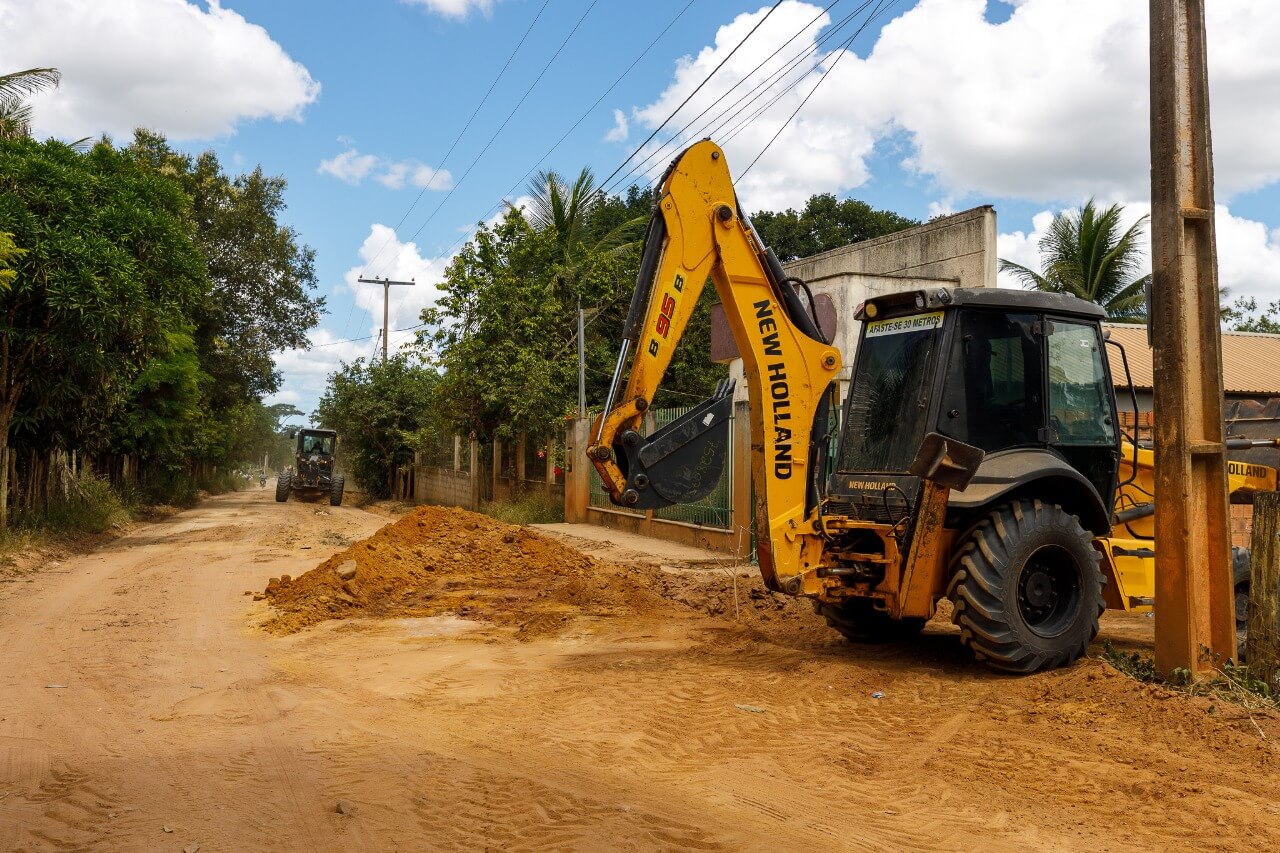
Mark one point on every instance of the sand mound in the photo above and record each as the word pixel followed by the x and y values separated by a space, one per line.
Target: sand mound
pixel 438 560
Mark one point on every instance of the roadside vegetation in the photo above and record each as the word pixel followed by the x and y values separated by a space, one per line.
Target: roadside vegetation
pixel 143 292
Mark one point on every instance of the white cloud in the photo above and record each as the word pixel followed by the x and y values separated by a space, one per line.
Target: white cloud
pixel 1248 256
pixel 396 175
pixel 353 167
pixel 170 65
pixel 617 133
pixel 1050 105
pixel 382 255
pixel 350 166
pixel 455 8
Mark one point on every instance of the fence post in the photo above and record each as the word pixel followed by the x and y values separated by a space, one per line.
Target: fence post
pixel 1263 645
pixel 551 463
pixel 522 448
pixel 457 453
pixel 497 468
pixel 475 473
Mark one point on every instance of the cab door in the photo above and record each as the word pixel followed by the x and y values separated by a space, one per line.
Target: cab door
pixel 1081 403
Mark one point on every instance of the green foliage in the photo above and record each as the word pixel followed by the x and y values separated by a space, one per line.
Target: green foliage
pixel 260 298
pixel 823 224
pixel 111 269
pixel 532 508
pixel 15 87
pixel 90 506
pixel 380 409
pixel 1243 316
pixel 1085 254
pixel 1132 664
pixel 9 252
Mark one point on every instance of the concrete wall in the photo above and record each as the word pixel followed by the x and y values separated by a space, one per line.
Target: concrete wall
pixel 442 486
pixel 959 248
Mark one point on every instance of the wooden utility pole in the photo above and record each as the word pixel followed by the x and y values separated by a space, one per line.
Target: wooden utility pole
pixel 386 295
pixel 1263 643
pixel 1194 596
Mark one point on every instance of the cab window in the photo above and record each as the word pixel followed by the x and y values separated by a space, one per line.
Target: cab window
pixel 1079 401
pixel 992 398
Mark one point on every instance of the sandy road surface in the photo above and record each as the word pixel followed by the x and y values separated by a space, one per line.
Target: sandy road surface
pixel 694 732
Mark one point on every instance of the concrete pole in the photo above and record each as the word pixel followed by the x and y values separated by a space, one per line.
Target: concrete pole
pixel 1263 650
pixel 582 365
pixel 386 299
pixel 1194 597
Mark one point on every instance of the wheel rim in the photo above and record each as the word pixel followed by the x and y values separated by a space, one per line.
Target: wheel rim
pixel 1242 609
pixel 1049 591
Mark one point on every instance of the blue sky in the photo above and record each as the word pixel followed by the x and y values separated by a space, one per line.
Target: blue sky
pixel 1031 106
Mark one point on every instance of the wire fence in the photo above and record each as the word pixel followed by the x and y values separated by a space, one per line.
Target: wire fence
pixel 714 510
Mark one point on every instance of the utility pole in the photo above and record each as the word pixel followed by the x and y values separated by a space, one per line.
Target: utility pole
pixel 386 295
pixel 1194 598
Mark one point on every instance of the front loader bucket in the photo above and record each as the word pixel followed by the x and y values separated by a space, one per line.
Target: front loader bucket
pixel 683 461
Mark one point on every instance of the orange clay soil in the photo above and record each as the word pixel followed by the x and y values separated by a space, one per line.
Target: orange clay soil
pixel 438 560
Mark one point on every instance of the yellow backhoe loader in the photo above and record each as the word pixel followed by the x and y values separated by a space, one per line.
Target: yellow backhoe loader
pixel 979 457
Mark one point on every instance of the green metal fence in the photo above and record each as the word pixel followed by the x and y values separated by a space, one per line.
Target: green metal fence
pixel 715 510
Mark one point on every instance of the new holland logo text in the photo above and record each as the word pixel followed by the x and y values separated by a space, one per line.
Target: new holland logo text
pixel 779 390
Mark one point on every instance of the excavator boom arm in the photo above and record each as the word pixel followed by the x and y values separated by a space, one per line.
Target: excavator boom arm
pixel 699 234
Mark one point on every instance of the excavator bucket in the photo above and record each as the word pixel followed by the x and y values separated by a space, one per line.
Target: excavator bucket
pixel 683 461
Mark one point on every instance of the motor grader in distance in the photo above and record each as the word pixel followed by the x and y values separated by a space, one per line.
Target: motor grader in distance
pixel 312 472
pixel 979 457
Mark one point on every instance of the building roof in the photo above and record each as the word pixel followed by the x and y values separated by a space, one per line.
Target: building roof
pixel 1249 359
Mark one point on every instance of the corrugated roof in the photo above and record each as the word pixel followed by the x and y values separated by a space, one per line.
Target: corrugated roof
pixel 1250 360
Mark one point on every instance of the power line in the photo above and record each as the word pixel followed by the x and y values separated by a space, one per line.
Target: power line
pixel 462 132
pixel 728 115
pixel 845 49
pixel 697 89
pixel 576 124
pixel 507 120
pixel 841 50
pixel 680 133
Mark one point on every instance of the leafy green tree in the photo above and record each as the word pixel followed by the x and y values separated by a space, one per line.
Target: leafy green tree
pixel 1085 253
pixel 823 224
pixel 15 88
pixel 111 270
pixel 1243 315
pixel 379 409
pixel 262 298
pixel 9 254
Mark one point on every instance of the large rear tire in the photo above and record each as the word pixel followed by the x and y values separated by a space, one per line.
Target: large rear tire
pixel 858 621
pixel 335 491
pixel 284 484
pixel 1026 588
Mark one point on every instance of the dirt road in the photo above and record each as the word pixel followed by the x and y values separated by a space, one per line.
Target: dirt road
pixel 143 708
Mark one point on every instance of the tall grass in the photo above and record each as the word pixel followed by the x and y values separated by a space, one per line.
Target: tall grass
pixel 532 508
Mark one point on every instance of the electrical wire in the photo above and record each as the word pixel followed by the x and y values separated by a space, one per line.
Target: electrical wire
pixel 839 55
pixel 750 96
pixel 695 91
pixel 461 133
pixel 507 120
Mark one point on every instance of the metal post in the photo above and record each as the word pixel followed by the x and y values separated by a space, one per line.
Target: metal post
pixel 386 298
pixel 1194 599
pixel 582 365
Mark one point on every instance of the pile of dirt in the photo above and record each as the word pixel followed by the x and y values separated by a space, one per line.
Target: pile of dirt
pixel 438 560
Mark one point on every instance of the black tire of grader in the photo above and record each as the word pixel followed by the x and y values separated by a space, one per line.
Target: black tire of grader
pixel 284 484
pixel 1026 588
pixel 335 491
pixel 859 622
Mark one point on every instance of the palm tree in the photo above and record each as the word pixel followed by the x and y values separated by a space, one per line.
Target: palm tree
pixel 1084 253
pixel 565 210
pixel 15 116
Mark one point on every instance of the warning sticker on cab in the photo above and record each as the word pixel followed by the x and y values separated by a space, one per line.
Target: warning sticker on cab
pixel 898 325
